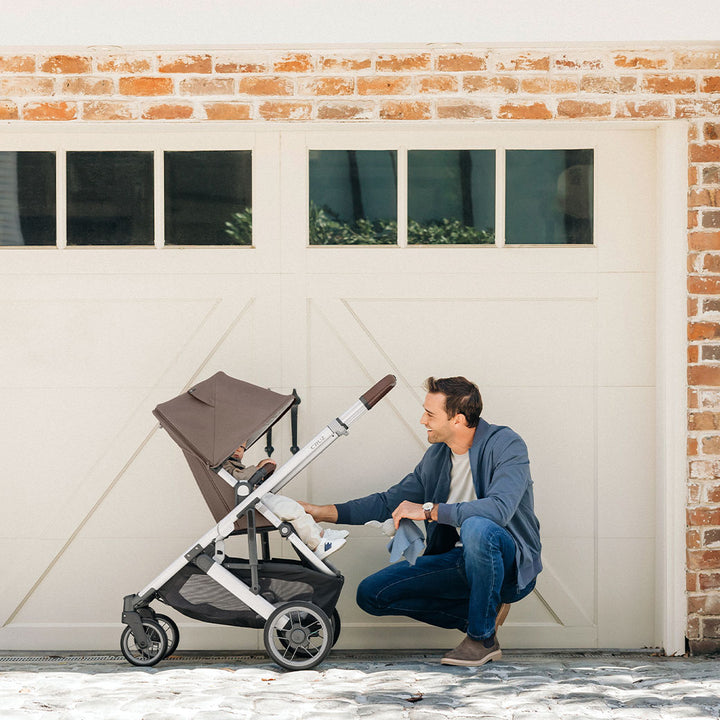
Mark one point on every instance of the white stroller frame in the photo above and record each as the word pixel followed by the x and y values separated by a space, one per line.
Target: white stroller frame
pixel 148 637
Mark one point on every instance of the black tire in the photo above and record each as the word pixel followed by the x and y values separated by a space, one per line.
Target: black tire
pixel 336 626
pixel 298 636
pixel 171 631
pixel 150 655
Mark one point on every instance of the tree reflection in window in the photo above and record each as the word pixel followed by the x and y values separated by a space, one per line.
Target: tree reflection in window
pixel 451 197
pixel 353 197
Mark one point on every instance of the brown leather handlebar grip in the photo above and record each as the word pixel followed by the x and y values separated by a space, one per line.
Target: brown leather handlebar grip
pixel 378 391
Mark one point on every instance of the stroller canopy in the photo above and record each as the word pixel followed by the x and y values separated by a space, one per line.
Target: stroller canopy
pixel 216 416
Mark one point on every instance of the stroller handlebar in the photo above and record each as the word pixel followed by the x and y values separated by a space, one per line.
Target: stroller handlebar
pixel 378 391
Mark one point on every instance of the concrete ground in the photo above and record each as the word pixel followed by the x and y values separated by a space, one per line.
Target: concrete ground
pixel 397 686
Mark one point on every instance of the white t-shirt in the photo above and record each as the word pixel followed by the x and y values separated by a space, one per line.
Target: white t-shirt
pixel 461 482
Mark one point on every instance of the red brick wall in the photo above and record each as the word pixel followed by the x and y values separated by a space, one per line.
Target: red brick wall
pixel 444 83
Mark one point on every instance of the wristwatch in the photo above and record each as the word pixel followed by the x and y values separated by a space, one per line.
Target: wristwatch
pixel 427 507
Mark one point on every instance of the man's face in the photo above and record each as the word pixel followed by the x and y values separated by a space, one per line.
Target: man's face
pixel 439 426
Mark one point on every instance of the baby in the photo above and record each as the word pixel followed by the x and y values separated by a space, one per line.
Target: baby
pixel 322 541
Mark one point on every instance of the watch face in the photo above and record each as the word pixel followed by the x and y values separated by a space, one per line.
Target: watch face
pixel 427 507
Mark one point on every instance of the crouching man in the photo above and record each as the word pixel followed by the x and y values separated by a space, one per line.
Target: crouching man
pixel 474 491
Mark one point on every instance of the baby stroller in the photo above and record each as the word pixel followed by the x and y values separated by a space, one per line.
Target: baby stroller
pixel 293 601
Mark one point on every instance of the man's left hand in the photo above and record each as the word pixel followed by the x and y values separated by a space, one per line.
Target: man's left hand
pixel 407 509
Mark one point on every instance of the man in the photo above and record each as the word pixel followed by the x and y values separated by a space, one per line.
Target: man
pixel 474 492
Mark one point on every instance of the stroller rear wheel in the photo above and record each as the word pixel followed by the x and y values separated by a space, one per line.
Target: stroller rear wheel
pixel 152 653
pixel 336 626
pixel 171 631
pixel 298 635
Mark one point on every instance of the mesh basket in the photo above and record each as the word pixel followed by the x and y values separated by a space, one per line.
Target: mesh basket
pixel 195 594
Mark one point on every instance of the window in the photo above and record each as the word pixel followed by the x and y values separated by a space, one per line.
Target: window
pixel 402 189
pixel 208 198
pixel 109 198
pixel 353 197
pixel 126 198
pixel 549 197
pixel 448 197
pixel 27 198
pixel 451 197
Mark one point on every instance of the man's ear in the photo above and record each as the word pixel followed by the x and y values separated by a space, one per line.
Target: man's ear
pixel 460 419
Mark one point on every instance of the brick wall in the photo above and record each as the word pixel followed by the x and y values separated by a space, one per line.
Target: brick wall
pixel 449 84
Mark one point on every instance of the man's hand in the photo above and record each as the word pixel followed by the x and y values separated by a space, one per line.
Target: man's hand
pixel 407 509
pixel 320 513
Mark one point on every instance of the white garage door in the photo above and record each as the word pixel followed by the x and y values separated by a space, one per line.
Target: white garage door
pixel 559 336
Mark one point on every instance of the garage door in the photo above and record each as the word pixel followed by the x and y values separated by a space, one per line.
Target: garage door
pixel 545 297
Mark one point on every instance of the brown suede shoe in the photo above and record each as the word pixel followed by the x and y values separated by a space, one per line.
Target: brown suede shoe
pixel 472 653
pixel 503 611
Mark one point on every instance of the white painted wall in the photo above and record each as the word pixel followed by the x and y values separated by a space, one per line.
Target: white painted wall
pixel 253 22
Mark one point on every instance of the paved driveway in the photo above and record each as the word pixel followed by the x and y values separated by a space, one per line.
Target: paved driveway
pixel 356 685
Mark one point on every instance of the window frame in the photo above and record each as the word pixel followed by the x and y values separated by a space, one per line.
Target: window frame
pixel 271 143
pixel 101 137
pixel 445 141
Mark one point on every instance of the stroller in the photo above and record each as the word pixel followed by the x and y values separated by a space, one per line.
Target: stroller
pixel 293 601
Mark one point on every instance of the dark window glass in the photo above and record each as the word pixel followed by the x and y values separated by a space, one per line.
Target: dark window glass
pixel 549 197
pixel 208 198
pixel 27 198
pixel 353 197
pixel 451 197
pixel 110 198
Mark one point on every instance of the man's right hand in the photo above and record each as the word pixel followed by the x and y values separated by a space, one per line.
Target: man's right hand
pixel 320 513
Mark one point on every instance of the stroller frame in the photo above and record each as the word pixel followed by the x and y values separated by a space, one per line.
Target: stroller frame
pixel 292 630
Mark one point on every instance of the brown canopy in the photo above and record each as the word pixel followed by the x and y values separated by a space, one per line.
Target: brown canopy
pixel 219 414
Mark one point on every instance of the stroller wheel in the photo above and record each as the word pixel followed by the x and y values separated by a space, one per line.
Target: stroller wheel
pixel 298 635
pixel 155 650
pixel 336 626
pixel 171 631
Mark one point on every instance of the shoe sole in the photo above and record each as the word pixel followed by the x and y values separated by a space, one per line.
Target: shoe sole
pixel 496 655
pixel 502 614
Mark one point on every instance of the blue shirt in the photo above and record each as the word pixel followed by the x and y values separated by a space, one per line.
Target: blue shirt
pixel 501 476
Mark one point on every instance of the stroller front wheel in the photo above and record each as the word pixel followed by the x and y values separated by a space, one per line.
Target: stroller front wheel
pixel 298 635
pixel 152 653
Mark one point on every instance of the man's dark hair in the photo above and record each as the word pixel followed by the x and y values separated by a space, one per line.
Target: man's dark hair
pixel 461 397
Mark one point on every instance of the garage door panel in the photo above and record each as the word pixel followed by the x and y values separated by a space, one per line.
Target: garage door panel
pixel 567 582
pixel 380 450
pixel 480 339
pixel 560 340
pixel 247 345
pixel 626 329
pixel 339 350
pixel 626 585
pixel 158 475
pixel 82 343
pixel 562 452
pixel 54 442
pixel 625 224
pixel 626 462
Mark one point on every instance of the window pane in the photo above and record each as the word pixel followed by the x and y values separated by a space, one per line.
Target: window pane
pixel 353 197
pixel 208 198
pixel 549 197
pixel 110 198
pixel 451 197
pixel 27 198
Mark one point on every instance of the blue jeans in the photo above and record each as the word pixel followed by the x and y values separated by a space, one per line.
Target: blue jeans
pixel 461 589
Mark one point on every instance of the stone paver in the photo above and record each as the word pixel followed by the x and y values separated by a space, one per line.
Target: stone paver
pixel 350 685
